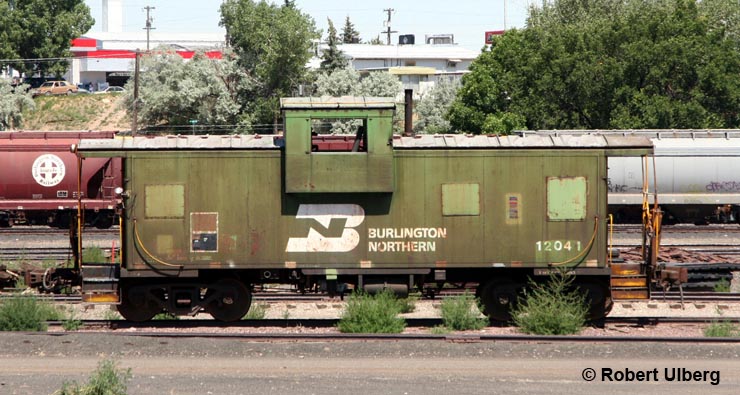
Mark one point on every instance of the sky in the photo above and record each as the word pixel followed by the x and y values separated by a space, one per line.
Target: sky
pixel 466 19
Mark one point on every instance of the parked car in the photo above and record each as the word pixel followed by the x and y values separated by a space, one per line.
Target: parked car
pixel 112 89
pixel 55 88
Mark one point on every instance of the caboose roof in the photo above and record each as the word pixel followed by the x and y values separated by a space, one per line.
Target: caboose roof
pixel 533 141
pixel 344 103
pixel 613 143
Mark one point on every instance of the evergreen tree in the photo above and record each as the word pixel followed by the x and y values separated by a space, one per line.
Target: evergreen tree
pixel 333 58
pixel 349 34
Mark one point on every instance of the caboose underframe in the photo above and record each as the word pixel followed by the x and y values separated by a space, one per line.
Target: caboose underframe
pixel 206 219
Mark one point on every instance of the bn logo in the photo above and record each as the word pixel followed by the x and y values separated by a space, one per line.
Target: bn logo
pixel 324 214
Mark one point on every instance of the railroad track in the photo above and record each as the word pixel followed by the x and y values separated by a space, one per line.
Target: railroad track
pixel 45 231
pixel 213 329
pixel 332 322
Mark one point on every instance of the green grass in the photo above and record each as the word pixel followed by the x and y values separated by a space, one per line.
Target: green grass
pixel 164 316
pixel 93 255
pixel 108 379
pixel 439 330
pixel 372 314
pixel 26 313
pixel 460 313
pixel 722 286
pixel 257 312
pixel 722 329
pixel 71 324
pixel 111 315
pixel 551 308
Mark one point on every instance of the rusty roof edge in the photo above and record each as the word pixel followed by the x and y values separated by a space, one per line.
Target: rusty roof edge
pixel 180 142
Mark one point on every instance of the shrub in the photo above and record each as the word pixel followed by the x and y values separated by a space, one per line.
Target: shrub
pixel 407 305
pixel 71 323
pixel 372 314
pixel 551 308
pixel 722 286
pixel 165 316
pixel 25 313
pixel 257 312
pixel 108 379
pixel 459 313
pixel 721 329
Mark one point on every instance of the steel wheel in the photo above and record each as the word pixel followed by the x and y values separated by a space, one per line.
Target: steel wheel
pixel 230 300
pixel 138 305
pixel 498 297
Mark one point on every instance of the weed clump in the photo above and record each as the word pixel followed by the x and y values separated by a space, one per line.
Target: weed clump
pixel 108 379
pixel 25 313
pixel 722 329
pixel 551 308
pixel 722 286
pixel 460 313
pixel 372 314
pixel 257 312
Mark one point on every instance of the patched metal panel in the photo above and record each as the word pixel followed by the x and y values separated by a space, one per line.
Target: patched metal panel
pixel 460 199
pixel 165 201
pixel 566 198
pixel 204 232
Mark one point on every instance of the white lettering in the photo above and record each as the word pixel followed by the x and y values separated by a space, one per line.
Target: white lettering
pixel 324 214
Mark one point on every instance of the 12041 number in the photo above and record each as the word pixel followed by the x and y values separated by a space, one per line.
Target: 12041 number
pixel 558 245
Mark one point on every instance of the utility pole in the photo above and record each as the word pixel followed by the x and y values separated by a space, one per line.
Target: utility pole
pixel 388 30
pixel 148 27
pixel 135 121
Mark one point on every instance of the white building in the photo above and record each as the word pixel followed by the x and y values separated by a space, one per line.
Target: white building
pixel 418 66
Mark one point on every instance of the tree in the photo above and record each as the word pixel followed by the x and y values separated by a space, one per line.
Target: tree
pixel 434 105
pixel 348 82
pixel 601 64
pixel 273 46
pixel 376 41
pixel 172 92
pixel 13 100
pixel 333 58
pixel 350 35
pixel 37 33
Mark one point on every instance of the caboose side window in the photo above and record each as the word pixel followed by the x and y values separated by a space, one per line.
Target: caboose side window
pixel 566 198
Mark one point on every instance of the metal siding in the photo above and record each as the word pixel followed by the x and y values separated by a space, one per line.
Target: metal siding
pixel 256 219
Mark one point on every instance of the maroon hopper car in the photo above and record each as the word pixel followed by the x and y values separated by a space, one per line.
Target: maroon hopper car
pixel 39 181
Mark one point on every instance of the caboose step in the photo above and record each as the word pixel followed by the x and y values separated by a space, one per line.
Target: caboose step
pixel 628 281
pixel 100 283
pixel 626 269
pixel 630 293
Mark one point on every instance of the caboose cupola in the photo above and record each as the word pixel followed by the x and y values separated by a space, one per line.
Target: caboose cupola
pixel 338 144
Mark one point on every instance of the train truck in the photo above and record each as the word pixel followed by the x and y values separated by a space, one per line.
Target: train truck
pixel 205 219
pixel 39 182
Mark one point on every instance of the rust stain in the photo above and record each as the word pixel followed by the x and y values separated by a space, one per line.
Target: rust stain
pixel 255 243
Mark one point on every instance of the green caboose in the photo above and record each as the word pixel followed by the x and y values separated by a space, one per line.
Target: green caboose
pixel 205 218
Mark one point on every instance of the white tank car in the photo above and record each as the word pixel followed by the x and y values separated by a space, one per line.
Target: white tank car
pixel 697 174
